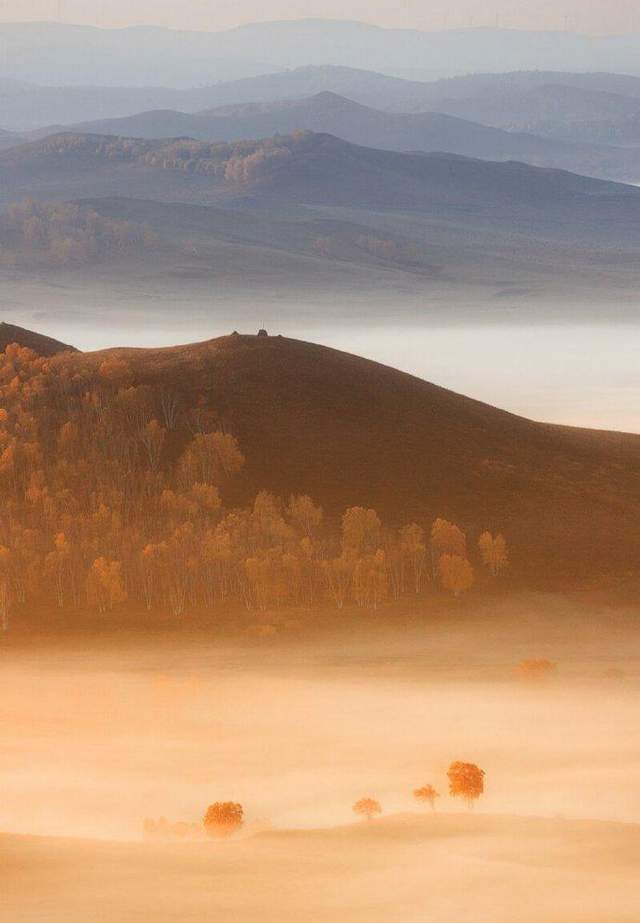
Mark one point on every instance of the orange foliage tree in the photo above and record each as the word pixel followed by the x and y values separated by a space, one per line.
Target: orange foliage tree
pixel 456 574
pixel 113 489
pixel 367 807
pixel 105 586
pixel 466 781
pixel 223 818
pixel 426 795
pixel 446 538
pixel 493 551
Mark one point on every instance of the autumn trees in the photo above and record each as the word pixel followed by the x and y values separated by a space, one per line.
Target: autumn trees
pixel 493 551
pixel 115 491
pixel 426 795
pixel 367 808
pixel 57 235
pixel 466 781
pixel 223 818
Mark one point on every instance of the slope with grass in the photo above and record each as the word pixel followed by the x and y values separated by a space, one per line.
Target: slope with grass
pixel 348 431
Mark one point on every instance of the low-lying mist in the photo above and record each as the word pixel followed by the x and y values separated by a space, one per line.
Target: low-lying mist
pixel 93 740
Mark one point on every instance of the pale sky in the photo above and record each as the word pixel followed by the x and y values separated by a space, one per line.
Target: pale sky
pixel 597 16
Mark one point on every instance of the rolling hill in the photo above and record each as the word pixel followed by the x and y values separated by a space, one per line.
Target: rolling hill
pixel 349 431
pixel 305 167
pixel 307 212
pixel 544 866
pixel 550 103
pixel 554 110
pixel 333 114
pixel 43 345
pixel 29 106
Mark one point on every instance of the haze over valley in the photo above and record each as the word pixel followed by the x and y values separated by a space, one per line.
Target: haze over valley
pixel 319 453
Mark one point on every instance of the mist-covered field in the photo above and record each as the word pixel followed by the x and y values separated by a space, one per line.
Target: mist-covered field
pixel 93 740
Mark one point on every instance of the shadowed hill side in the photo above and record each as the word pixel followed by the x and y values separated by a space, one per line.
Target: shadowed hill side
pixel 348 431
pixel 43 345
pixel 370 127
pixel 317 169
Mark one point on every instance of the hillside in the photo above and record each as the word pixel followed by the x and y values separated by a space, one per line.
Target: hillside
pixel 303 167
pixel 346 873
pixel 28 106
pixel 305 213
pixel 42 345
pixel 31 107
pixel 554 110
pixel 347 431
pixel 332 114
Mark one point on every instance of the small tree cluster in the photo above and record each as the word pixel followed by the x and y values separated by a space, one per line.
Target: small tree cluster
pixel 223 818
pixel 33 234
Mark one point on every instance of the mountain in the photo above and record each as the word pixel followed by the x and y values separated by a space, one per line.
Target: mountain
pixel 332 114
pixel 554 110
pixel 502 100
pixel 311 212
pixel 28 106
pixel 348 431
pixel 43 345
pixel 56 54
pixel 504 84
pixel 462 51
pixel 303 167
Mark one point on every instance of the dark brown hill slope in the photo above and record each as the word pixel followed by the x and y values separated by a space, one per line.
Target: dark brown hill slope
pixel 43 345
pixel 349 431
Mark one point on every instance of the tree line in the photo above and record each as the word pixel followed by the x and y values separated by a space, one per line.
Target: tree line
pixel 38 234
pixel 111 493
pixel 237 164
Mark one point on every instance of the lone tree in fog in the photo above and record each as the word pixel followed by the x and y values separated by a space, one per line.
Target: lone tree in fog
pixel 223 818
pixel 466 780
pixel 426 795
pixel 367 807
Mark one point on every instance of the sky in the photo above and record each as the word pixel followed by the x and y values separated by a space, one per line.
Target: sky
pixel 595 16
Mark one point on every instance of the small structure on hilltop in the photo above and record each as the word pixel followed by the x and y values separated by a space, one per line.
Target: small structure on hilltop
pixel 262 332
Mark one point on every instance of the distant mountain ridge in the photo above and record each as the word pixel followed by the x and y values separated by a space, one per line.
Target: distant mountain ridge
pixel 311 212
pixel 330 113
pixel 296 165
pixel 57 53
pixel 520 100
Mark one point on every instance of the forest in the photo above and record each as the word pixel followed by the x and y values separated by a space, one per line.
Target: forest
pixel 238 163
pixel 36 234
pixel 112 494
